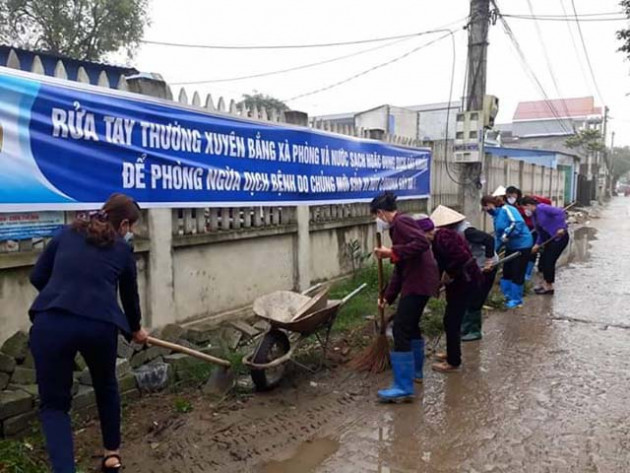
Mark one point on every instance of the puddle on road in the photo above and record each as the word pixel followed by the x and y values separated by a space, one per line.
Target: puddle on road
pixel 306 458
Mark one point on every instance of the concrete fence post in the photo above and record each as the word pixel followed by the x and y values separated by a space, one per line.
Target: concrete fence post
pixel 161 306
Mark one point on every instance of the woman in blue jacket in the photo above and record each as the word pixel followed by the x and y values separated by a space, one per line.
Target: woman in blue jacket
pixel 510 231
pixel 79 276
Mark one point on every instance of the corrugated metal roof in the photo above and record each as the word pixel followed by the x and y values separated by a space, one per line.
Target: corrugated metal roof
pixel 571 107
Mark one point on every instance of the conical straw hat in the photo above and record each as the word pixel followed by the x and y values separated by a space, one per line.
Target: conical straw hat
pixel 499 192
pixel 443 216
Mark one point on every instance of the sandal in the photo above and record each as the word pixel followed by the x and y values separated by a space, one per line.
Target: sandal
pixel 541 291
pixel 440 356
pixel 444 367
pixel 111 469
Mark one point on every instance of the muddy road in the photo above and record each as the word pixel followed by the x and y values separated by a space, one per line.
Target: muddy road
pixel 547 390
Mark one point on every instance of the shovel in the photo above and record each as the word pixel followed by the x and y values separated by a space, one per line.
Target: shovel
pixel 221 380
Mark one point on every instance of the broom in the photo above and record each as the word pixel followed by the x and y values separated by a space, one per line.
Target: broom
pixel 375 358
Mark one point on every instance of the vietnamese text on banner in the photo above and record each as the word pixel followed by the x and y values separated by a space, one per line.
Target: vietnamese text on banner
pixel 69 146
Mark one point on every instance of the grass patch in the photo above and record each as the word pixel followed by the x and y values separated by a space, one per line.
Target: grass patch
pixel 182 406
pixel 19 456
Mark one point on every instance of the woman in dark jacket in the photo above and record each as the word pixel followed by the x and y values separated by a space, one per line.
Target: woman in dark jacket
pixel 79 276
pixel 416 279
pixel 460 275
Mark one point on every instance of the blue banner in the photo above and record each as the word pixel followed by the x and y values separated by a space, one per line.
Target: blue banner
pixel 66 145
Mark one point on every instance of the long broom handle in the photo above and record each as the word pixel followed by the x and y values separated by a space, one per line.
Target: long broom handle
pixel 188 351
pixel 381 289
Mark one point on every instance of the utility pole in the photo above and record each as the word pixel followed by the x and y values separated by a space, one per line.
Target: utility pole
pixel 470 173
pixel 606 162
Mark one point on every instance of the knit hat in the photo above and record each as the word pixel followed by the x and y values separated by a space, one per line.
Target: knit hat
pixel 499 192
pixel 426 224
pixel 443 216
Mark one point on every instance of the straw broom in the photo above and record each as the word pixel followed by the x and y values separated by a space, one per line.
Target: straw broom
pixel 375 358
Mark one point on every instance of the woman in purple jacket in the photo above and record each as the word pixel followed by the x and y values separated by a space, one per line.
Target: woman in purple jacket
pixel 551 225
pixel 415 279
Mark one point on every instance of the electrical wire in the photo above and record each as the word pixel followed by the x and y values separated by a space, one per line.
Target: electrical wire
pixel 291 46
pixel 528 69
pixel 566 19
pixel 549 65
pixel 575 48
pixel 293 69
pixel 588 59
pixel 371 69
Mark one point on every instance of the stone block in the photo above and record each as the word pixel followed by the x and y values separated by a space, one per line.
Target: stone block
pixel 30 389
pixel 138 359
pixel 125 350
pixel 4 380
pixel 154 377
pixel 13 403
pixel 201 335
pixel 29 361
pixel 231 337
pixel 155 352
pixel 123 368
pixel 84 398
pixel 127 382
pixel 245 328
pixel 183 365
pixel 16 346
pixel 23 376
pixel 7 363
pixel 171 332
pixel 19 424
pixel 79 363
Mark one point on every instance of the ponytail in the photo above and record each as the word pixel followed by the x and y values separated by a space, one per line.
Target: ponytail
pixel 100 228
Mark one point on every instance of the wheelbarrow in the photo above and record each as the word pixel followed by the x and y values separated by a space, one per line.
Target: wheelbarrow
pixel 300 316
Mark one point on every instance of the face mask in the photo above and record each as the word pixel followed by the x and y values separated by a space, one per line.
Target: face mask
pixel 129 238
pixel 528 212
pixel 381 224
pixel 492 212
pixel 511 200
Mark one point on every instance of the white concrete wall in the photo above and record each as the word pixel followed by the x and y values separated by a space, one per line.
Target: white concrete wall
pixel 371 119
pixel 405 122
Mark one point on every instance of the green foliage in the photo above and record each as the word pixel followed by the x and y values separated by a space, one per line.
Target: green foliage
pixel 588 140
pixel 182 406
pixel 256 99
pixel 81 29
pixel 624 35
pixel 17 457
pixel 620 159
pixel 353 252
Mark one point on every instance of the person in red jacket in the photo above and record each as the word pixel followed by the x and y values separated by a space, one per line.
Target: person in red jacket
pixel 514 197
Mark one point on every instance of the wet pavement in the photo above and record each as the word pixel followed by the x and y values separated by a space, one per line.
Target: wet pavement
pixel 547 390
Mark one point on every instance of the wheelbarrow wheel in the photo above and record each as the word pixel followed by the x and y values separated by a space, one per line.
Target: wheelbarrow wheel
pixel 273 345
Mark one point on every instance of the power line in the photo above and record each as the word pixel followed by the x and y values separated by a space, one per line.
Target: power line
pixel 292 69
pixel 290 46
pixel 549 64
pixel 588 59
pixel 371 69
pixel 528 69
pixel 565 19
pixel 575 48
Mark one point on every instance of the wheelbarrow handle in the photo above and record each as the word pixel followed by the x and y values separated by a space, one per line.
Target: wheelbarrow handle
pixel 353 293
pixel 188 351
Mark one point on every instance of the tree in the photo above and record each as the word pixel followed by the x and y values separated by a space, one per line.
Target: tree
pixel 81 29
pixel 588 139
pixel 624 35
pixel 256 99
pixel 620 159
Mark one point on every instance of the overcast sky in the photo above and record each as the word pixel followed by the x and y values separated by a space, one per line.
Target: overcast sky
pixel 422 77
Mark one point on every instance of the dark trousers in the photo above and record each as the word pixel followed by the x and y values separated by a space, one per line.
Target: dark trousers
pixel 458 296
pixel 407 321
pixel 478 297
pixel 515 270
pixel 549 257
pixel 54 341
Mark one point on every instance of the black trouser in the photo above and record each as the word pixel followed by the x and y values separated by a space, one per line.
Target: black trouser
pixel 533 256
pixel 549 257
pixel 407 321
pixel 478 297
pixel 515 269
pixel 54 341
pixel 458 295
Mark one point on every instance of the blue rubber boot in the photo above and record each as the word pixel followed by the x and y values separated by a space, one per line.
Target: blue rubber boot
pixel 529 272
pixel 506 286
pixel 417 348
pixel 517 297
pixel 401 389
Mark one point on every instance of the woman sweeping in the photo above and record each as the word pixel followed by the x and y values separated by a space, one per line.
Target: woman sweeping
pixel 514 196
pixel 79 276
pixel 551 227
pixel 416 279
pixel 510 230
pixel 481 245
pixel 460 275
